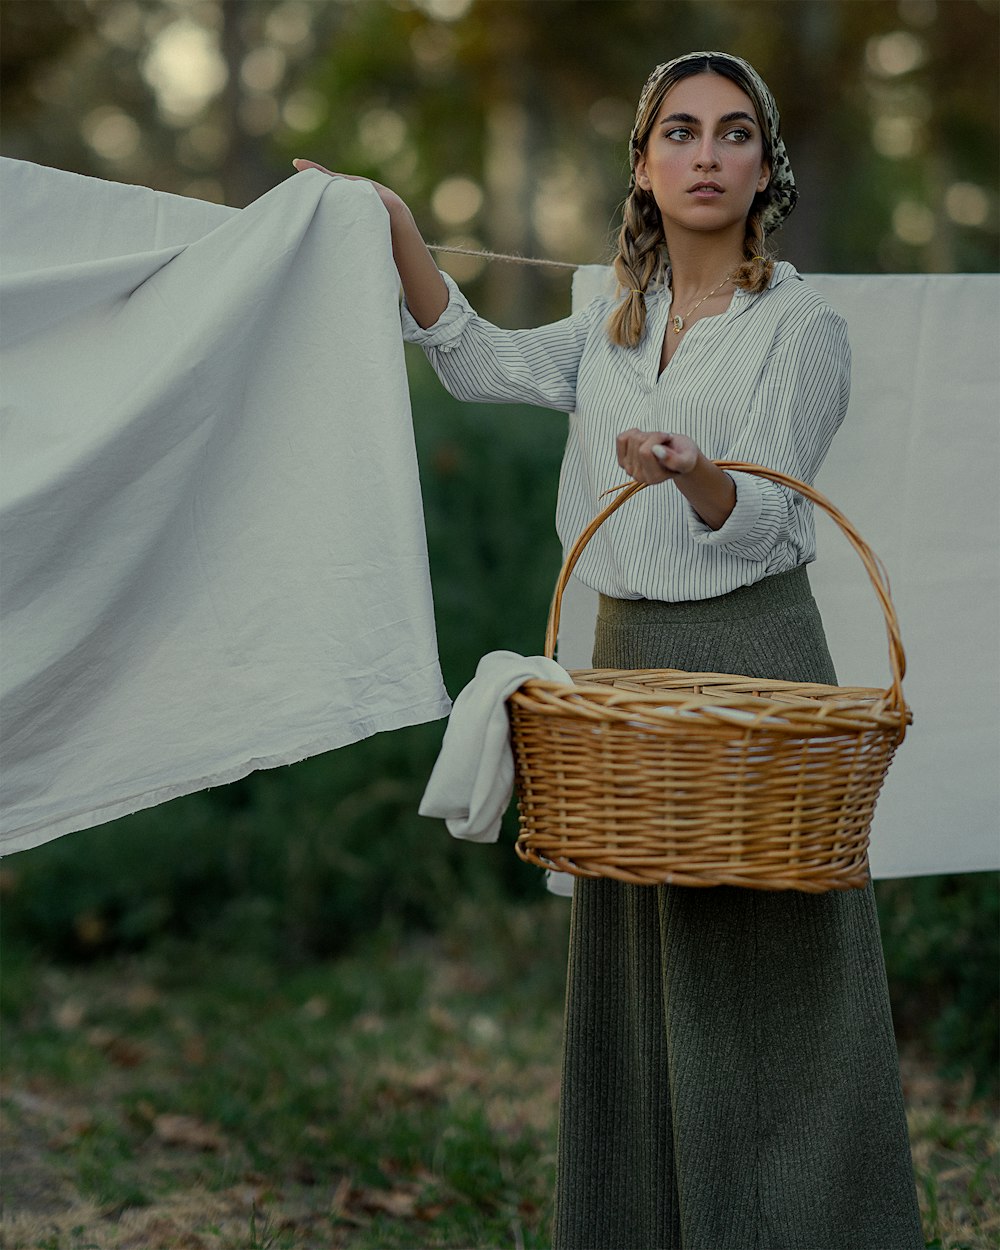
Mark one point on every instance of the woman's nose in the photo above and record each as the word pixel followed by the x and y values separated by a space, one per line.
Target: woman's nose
pixel 705 155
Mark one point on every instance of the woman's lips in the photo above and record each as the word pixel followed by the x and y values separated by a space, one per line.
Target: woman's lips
pixel 706 191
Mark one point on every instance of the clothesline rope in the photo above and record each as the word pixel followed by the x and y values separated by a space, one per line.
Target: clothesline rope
pixel 517 260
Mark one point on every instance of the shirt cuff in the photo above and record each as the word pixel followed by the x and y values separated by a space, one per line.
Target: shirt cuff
pixel 449 327
pixel 741 522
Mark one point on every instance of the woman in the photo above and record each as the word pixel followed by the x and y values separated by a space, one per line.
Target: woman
pixel 730 1074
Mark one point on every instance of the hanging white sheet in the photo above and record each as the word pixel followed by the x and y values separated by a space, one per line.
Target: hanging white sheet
pixel 915 467
pixel 212 533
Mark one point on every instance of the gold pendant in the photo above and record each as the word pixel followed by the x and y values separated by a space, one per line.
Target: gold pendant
pixel 677 323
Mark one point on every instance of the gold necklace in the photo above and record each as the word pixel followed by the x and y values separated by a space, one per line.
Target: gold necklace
pixel 677 321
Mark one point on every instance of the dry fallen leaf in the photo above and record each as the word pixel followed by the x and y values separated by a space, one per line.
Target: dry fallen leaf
pixel 187 1130
pixel 69 1015
pixel 194 1050
pixel 400 1203
pixel 122 1051
pixel 315 1008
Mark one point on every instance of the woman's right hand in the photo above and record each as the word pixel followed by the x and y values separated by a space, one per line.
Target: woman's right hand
pixel 423 286
pixel 393 203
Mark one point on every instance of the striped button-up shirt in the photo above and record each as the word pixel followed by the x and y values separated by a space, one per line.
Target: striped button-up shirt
pixel 767 382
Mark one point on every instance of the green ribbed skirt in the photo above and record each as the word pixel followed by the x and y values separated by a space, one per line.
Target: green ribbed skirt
pixel 730 1075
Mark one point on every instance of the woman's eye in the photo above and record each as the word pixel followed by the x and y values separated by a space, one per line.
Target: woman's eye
pixel 739 134
pixel 679 132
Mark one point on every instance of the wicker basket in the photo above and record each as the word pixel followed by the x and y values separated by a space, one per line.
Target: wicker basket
pixel 699 779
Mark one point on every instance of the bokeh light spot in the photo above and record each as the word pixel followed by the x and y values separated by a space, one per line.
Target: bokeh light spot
pixel 611 117
pixel 304 109
pixel 382 133
pixel 111 133
pixel 967 204
pixel 456 200
pixel 263 68
pixel 445 10
pixel 896 137
pixel 896 53
pixel 913 223
pixel 185 68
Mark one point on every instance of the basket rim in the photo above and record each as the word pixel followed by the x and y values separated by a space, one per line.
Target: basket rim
pixel 872 564
pixel 847 710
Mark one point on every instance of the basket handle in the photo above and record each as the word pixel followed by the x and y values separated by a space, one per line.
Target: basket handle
pixel 873 566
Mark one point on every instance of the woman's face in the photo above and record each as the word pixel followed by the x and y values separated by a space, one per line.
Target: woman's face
pixel 703 162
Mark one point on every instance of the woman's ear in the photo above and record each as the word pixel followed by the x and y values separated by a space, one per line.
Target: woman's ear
pixel 641 177
pixel 765 176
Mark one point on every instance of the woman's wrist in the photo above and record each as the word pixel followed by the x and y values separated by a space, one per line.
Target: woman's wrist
pixel 709 490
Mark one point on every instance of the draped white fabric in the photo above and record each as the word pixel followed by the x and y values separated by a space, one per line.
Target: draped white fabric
pixel 915 467
pixel 212 533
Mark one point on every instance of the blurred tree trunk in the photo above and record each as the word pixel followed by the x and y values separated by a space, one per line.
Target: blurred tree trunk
pixel 245 172
pixel 813 31
pixel 515 141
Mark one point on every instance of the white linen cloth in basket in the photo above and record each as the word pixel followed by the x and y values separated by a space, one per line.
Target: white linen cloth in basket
pixel 472 782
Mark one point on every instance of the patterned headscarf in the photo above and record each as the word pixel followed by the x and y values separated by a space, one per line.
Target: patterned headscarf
pixel 780 194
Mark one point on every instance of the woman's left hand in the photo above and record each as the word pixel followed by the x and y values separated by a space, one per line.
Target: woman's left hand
pixel 654 458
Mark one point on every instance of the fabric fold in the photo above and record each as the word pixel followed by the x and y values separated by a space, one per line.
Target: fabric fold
pixel 214 552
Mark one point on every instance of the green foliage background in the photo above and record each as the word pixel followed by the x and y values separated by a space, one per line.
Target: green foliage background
pixel 315 860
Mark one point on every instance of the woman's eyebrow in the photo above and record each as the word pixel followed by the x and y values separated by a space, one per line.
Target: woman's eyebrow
pixel 689 119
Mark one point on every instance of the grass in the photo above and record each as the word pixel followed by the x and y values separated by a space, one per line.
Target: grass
pixel 403 1096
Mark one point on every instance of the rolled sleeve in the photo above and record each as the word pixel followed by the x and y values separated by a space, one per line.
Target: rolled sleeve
pixel 797 407
pixel 446 332
pixel 751 527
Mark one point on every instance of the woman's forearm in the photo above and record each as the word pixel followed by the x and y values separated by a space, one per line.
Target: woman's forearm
pixel 424 288
pixel 709 490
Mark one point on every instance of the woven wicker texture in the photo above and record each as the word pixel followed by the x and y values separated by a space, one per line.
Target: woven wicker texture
pixel 663 776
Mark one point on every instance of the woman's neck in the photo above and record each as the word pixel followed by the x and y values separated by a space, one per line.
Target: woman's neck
pixel 700 262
